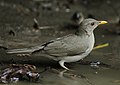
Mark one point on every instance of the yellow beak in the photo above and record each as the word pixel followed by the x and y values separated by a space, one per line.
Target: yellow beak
pixel 102 22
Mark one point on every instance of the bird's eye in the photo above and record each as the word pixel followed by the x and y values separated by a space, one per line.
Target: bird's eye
pixel 92 23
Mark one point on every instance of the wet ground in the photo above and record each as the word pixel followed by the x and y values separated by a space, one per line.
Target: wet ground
pixel 17 31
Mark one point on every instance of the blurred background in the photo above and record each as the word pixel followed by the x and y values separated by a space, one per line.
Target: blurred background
pixel 27 23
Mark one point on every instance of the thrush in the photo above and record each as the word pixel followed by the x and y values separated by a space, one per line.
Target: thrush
pixel 69 48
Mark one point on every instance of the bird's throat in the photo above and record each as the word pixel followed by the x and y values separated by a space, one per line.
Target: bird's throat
pixel 81 32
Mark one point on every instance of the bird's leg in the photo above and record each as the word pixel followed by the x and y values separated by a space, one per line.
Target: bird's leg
pixel 61 62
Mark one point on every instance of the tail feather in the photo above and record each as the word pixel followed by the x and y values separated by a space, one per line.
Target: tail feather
pixel 25 50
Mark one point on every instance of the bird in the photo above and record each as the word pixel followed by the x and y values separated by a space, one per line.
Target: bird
pixel 69 48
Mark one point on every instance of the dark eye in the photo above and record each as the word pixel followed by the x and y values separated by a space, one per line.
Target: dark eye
pixel 92 23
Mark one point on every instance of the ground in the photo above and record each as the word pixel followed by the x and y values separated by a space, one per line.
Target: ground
pixel 17 31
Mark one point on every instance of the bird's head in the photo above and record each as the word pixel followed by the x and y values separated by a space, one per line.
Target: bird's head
pixel 91 24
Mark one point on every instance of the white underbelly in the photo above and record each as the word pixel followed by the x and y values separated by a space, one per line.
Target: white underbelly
pixel 74 58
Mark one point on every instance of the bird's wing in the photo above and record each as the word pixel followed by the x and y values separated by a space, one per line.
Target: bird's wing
pixel 66 46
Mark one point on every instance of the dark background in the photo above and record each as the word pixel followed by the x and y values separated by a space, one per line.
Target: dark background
pixel 17 31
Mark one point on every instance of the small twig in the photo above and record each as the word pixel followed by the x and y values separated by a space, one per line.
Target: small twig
pixel 36 25
pixel 101 46
pixel 47 27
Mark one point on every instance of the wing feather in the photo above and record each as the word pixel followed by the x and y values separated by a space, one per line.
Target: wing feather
pixel 66 46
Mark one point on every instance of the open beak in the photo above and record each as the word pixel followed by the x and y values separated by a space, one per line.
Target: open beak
pixel 102 22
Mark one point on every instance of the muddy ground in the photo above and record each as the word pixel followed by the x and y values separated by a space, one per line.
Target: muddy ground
pixel 17 31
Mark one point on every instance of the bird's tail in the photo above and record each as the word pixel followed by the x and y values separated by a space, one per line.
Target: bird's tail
pixel 25 50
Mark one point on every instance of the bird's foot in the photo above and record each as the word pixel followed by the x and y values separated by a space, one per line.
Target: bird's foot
pixel 61 62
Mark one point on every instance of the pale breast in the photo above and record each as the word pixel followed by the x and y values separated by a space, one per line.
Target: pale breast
pixel 91 41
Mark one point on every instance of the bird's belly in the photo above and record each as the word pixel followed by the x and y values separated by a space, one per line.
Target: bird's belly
pixel 74 58
pixel 77 57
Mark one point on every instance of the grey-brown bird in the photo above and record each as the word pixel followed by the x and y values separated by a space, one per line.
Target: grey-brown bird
pixel 70 48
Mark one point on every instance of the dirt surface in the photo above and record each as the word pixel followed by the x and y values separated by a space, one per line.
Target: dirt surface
pixel 17 31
